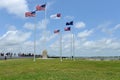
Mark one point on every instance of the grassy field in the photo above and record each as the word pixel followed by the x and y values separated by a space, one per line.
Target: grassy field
pixel 53 69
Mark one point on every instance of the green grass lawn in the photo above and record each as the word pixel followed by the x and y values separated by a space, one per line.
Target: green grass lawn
pixel 53 69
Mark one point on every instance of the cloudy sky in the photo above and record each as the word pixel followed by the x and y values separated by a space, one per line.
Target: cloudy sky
pixel 96 27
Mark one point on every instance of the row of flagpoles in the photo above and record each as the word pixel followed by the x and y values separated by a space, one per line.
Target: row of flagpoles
pixel 55 16
pixel 68 28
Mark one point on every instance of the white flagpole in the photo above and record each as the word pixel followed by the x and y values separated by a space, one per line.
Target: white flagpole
pixel 34 42
pixel 45 25
pixel 73 47
pixel 61 46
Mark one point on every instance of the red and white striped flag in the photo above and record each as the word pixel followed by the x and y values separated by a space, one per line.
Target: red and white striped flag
pixel 67 28
pixel 56 31
pixel 40 7
pixel 30 14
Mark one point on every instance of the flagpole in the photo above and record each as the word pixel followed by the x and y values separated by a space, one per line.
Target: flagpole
pixel 45 26
pixel 61 47
pixel 34 42
pixel 73 47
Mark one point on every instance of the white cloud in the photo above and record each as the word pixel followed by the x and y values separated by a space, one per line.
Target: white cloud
pixel 80 25
pixel 43 24
pixel 50 37
pixel 88 44
pixel 46 36
pixel 105 46
pixel 11 27
pixel 29 43
pixel 17 7
pixel 107 28
pixel 85 33
pixel 67 36
pixel 104 25
pixel 49 4
pixel 102 44
pixel 14 38
pixel 117 27
pixel 29 26
pixel 69 17
pixel 40 25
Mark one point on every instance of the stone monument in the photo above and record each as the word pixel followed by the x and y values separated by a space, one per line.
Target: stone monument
pixel 44 54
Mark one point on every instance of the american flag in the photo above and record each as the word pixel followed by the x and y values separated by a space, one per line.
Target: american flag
pixel 30 14
pixel 67 28
pixel 40 7
pixel 56 31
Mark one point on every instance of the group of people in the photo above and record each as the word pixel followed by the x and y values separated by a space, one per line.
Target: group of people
pixel 8 54
pixel 25 54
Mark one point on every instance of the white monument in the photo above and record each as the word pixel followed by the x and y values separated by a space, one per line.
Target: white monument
pixel 44 54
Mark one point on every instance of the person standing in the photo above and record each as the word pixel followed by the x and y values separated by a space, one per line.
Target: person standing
pixel 5 57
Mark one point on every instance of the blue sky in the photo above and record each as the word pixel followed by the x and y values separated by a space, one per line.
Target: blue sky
pixel 96 27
